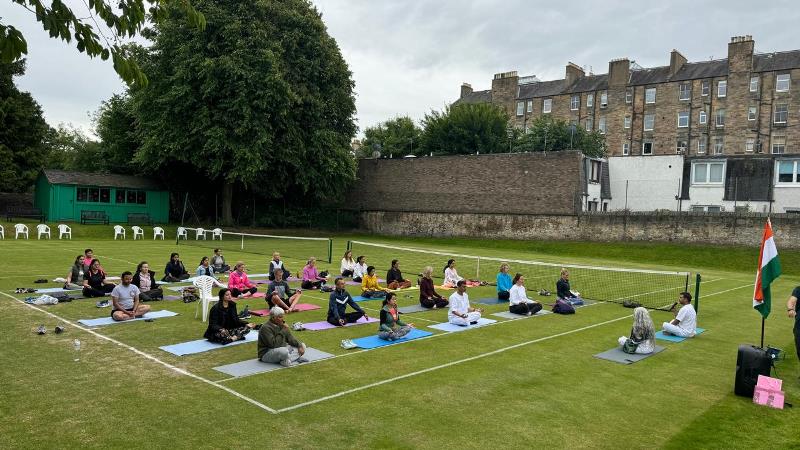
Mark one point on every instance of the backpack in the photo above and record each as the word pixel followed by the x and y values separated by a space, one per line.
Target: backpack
pixel 562 307
pixel 189 294
pixel 630 346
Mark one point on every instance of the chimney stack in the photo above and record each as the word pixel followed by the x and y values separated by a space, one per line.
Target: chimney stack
pixel 573 73
pixel 466 89
pixel 740 54
pixel 505 87
pixel 619 72
pixel 676 61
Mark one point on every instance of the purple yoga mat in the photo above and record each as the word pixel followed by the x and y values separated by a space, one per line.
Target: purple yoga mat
pixel 324 325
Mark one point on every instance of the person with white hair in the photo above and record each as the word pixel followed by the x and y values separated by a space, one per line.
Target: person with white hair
pixel 643 334
pixel 460 312
pixel 276 343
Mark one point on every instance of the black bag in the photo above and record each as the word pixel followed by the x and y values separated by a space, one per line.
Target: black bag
pixel 189 294
pixel 630 346
pixel 563 307
pixel 751 362
pixel 62 297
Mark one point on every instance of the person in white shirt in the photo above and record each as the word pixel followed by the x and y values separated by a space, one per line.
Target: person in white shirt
pixel 451 277
pixel 348 266
pixel 518 301
pixel 125 300
pixel 460 313
pixel 685 320
pixel 360 268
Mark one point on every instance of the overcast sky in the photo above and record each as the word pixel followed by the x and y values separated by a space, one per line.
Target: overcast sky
pixel 408 57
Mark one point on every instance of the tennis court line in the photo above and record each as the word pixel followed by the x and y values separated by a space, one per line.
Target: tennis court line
pixel 150 357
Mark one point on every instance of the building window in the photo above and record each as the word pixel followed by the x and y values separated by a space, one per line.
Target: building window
pixel 647 147
pixel 708 172
pixel 781 113
pixel 649 122
pixel 705 87
pixel 719 145
pixel 93 195
pixel 722 88
pixel 520 108
pixel 720 118
pixel 751 113
pixel 629 96
pixel 703 118
pixel 685 91
pixel 680 147
pixel 627 122
pixel 575 102
pixel 594 176
pixel 788 171
pixel 601 125
pixel 749 145
pixel 589 124
pixel 650 95
pixel 701 147
pixel 782 82
pixel 530 106
pixel 603 99
pixel 709 208
pixel 547 105
pixel 683 119
pixel 589 100
pixel 778 145
pixel 753 84
pixel 131 196
pixel 626 149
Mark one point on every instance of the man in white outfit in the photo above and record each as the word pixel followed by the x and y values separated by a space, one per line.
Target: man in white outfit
pixel 460 313
pixel 685 320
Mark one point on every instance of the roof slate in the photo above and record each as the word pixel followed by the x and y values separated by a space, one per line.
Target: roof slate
pixel 102 180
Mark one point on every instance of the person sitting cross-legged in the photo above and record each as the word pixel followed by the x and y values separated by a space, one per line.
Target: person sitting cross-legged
pixel 428 297
pixel 518 302
pixel 348 265
pixel 311 278
pixel 175 270
pixel 276 344
pixel 360 268
pixel 224 324
pixel 392 327
pixel 337 306
pixel 204 268
pixel 394 278
pixel 460 312
pixel 563 290
pixel 643 333
pixel 94 282
pixel 280 294
pixel 218 262
pixel 125 300
pixel 504 282
pixel 685 321
pixel 369 285
pixel 238 282
pixel 145 280
pixel 276 263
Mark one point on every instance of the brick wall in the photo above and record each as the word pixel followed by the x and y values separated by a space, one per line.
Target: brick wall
pixel 514 183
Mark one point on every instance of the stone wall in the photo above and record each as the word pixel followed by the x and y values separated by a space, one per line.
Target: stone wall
pixel 666 227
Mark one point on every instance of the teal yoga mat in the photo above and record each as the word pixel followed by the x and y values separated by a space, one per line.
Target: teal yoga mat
pixel 670 338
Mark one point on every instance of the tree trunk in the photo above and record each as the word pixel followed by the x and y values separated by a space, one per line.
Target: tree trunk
pixel 227 199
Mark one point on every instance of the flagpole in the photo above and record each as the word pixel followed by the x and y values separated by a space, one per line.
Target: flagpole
pixel 762 331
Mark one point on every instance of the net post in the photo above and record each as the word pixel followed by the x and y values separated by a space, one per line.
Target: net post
pixel 478 270
pixel 697 293
pixel 242 242
pixel 349 245
pixel 330 251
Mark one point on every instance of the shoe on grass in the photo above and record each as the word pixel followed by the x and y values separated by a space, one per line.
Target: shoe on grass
pixel 245 314
pixel 348 344
pixel 41 330
pixel 103 304
pixel 298 326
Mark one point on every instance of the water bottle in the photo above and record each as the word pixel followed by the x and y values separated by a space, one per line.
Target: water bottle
pixel 76 344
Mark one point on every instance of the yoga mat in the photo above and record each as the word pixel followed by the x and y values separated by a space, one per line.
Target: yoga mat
pixel 413 309
pixel 203 345
pixel 352 283
pixel 324 325
pixel 298 307
pixel 109 321
pixel 55 290
pixel 449 327
pixel 358 298
pixel 412 288
pixel 254 366
pixel 176 288
pixel 446 288
pixel 670 338
pixel 618 356
pixel 374 341
pixel 173 297
pixel 510 315
pixel 492 301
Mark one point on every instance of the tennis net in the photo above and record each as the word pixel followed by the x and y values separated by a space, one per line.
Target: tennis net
pixel 296 247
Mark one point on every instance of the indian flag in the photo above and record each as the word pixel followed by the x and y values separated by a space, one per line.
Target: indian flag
pixel 768 270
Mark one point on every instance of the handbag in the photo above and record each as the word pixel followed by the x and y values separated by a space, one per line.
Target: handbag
pixel 630 346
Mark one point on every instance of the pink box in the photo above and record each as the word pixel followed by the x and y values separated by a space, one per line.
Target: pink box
pixel 769 383
pixel 767 397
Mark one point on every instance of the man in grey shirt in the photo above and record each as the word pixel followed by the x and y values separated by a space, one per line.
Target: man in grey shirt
pixel 125 300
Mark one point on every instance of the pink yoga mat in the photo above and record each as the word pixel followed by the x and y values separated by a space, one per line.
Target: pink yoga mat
pixel 298 307
pixel 324 325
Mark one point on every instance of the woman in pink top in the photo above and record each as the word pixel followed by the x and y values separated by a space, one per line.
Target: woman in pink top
pixel 311 279
pixel 238 282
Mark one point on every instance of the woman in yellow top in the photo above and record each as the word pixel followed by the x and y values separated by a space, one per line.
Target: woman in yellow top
pixel 369 285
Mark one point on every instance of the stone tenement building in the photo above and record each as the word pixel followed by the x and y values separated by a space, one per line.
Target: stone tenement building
pixel 745 104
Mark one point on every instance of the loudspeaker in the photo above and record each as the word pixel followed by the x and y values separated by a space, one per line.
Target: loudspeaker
pixel 751 362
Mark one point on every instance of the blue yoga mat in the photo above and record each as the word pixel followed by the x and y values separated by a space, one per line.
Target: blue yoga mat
pixel 358 298
pixel 449 327
pixel 55 290
pixel 109 321
pixel 670 338
pixel 375 341
pixel 203 345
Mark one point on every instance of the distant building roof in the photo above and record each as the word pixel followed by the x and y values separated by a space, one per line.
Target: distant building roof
pixel 476 97
pixel 102 180
pixel 541 89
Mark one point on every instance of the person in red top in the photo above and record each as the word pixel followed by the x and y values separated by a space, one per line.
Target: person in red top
pixel 428 297
pixel 238 282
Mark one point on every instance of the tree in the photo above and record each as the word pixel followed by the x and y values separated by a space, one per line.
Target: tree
pixel 22 129
pixel 262 99
pixel 115 124
pixel 396 137
pixel 465 129
pixel 548 134
pixel 68 148
pixel 124 19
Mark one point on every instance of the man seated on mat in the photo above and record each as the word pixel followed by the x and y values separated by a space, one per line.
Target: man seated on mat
pixel 145 280
pixel 238 282
pixel 125 300
pixel 224 324
pixel 504 282
pixel 643 334
pixel 276 263
pixel 205 268
pixel 337 306
pixel 460 313
pixel 175 271
pixel 394 278
pixel 94 282
pixel 391 326
pixel 311 278
pixel 563 290
pixel 369 285
pixel 218 262
pixel 276 343
pixel 685 320
pixel 428 297
pixel 279 293
pixel 348 265
pixel 518 301
pixel 360 269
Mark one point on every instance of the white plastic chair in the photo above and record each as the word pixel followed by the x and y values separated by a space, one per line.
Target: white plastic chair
pixel 137 231
pixel 42 230
pixel 20 228
pixel 119 231
pixel 182 232
pixel 2 232
pixel 64 230
pixel 204 284
pixel 201 233
pixel 158 231
pixel 216 233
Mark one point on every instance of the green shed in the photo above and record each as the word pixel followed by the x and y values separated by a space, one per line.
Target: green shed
pixel 62 195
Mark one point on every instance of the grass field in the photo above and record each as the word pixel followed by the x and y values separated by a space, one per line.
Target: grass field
pixel 518 383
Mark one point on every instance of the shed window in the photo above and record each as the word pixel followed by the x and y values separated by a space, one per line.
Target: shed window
pixel 93 195
pixel 131 196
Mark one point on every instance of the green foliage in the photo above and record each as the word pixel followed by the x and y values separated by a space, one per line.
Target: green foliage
pixel 397 137
pixel 466 129
pixel 124 19
pixel 22 129
pixel 70 149
pixel 115 124
pixel 548 134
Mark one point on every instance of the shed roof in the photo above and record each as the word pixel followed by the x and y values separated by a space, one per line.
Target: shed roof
pixel 102 180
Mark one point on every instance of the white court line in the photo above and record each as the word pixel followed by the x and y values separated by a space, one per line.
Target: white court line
pixel 151 357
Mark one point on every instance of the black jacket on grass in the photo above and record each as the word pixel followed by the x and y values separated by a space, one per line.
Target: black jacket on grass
pixel 220 317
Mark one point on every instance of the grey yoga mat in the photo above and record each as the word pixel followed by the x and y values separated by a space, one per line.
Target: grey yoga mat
pixel 510 315
pixel 254 366
pixel 618 356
